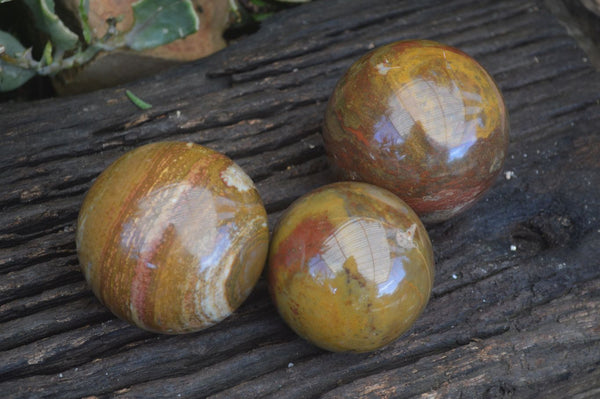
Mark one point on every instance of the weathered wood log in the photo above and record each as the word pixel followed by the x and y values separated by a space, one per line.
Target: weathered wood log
pixel 515 309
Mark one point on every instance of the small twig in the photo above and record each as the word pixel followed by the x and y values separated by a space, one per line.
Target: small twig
pixel 141 104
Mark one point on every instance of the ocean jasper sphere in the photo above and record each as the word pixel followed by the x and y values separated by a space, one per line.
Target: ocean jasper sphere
pixel 350 267
pixel 172 237
pixel 423 120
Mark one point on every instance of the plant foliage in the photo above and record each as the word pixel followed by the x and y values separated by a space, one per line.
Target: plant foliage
pixel 154 25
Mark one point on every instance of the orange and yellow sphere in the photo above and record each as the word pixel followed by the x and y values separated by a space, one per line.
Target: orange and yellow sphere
pixel 422 119
pixel 350 267
pixel 172 237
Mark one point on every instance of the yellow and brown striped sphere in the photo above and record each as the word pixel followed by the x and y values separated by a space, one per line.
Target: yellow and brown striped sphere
pixel 350 267
pixel 172 237
pixel 423 120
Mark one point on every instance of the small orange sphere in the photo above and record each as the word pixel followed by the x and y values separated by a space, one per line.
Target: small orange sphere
pixel 350 267
pixel 423 120
pixel 172 237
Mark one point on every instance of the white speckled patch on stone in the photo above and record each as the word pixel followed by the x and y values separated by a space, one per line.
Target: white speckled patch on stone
pixel 405 238
pixel 234 176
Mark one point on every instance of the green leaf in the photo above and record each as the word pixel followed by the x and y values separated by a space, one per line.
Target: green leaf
pixel 47 55
pixel 47 21
pixel 84 10
pixel 12 76
pixel 11 45
pixel 159 22
pixel 141 104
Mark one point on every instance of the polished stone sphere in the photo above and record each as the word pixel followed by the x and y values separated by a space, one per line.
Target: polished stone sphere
pixel 350 267
pixel 423 120
pixel 172 237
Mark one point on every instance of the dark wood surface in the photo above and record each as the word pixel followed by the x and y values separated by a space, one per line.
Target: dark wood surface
pixel 501 322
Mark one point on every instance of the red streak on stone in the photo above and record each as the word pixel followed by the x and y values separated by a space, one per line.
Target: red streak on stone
pixel 304 242
pixel 142 280
pixel 359 135
pixel 124 212
pixel 143 293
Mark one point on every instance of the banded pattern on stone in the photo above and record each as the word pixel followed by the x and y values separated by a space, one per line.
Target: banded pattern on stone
pixel 172 237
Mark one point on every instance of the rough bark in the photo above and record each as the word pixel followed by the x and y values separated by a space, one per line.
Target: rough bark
pixel 502 322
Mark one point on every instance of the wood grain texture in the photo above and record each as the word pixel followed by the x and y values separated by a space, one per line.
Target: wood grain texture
pixel 522 323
